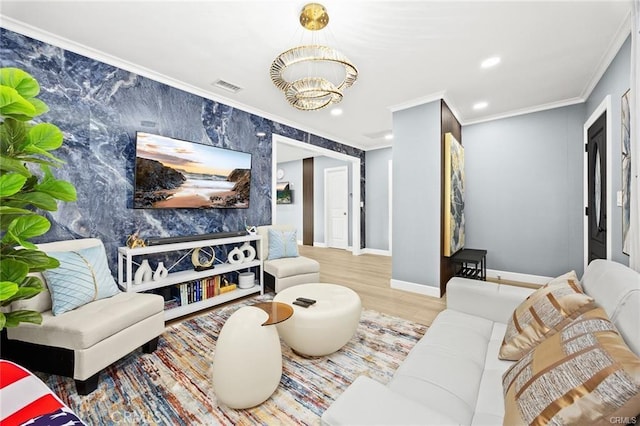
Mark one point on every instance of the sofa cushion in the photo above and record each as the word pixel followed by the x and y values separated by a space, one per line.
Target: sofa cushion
pixel 282 244
pixel 290 266
pixel 82 277
pixel 542 314
pixel 616 288
pixel 584 374
pixel 83 327
pixel 444 369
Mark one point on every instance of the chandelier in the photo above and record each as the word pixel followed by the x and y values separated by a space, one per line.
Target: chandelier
pixel 312 92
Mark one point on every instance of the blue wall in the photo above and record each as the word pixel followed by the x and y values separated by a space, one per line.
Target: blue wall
pixel 100 107
pixel 523 193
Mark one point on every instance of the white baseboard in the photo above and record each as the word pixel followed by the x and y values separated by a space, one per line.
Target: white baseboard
pixel 318 244
pixel 516 276
pixel 415 288
pixel 376 251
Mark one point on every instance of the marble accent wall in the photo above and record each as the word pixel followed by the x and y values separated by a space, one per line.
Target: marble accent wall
pixel 100 107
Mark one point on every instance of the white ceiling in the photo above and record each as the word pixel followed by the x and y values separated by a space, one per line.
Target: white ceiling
pixel 553 52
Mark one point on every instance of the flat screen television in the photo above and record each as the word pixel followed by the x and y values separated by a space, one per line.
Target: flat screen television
pixel 176 174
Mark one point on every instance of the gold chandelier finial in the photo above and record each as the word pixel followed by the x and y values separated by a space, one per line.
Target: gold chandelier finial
pixel 314 17
pixel 312 92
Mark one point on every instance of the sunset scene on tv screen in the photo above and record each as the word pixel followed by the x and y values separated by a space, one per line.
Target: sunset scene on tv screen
pixel 172 173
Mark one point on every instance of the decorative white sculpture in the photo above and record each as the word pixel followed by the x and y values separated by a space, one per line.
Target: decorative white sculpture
pixel 161 272
pixel 143 273
pixel 248 251
pixel 235 256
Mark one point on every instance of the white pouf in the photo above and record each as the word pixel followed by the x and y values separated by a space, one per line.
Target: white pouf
pixel 325 326
pixel 247 363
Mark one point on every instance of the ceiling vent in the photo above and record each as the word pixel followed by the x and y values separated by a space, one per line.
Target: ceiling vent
pixel 227 86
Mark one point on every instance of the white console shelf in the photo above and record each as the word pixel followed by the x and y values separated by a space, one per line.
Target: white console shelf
pixel 128 257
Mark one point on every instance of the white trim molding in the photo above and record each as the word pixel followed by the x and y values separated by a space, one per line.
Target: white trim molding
pixel 423 289
pixel 377 252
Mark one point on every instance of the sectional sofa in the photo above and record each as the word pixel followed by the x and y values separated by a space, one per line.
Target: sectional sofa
pixel 454 374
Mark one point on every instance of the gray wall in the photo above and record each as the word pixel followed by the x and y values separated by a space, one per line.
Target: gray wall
pixel 615 82
pixel 291 214
pixel 523 191
pixel 319 164
pixel 377 190
pixel 416 195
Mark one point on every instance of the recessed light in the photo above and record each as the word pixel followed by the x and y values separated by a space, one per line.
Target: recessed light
pixel 490 62
pixel 336 112
pixel 480 105
pixel 388 136
pixel 261 134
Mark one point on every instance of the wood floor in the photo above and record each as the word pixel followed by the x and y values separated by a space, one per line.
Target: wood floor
pixel 369 275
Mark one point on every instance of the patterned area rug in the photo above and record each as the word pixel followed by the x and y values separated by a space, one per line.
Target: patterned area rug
pixel 172 386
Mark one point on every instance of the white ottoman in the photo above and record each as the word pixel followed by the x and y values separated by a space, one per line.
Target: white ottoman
pixel 323 327
pixel 247 363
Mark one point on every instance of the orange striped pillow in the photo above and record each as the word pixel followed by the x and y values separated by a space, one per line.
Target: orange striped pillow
pixel 584 374
pixel 542 314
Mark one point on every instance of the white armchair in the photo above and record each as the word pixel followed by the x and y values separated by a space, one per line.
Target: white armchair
pixel 81 342
pixel 286 271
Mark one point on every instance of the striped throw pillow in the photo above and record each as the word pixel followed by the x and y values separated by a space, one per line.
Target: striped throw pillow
pixel 584 374
pixel 542 314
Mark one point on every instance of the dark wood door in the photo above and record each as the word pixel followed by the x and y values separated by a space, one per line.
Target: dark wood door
pixel 597 189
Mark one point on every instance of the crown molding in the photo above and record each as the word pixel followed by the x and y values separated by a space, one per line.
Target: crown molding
pixel 523 111
pixel 614 47
pixel 80 49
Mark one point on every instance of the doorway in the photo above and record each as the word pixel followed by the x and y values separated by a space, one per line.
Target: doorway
pixel 356 201
pixel 336 207
pixel 597 184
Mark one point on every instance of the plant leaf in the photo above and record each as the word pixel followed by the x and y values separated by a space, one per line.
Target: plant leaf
pixel 16 317
pixel 15 106
pixel 40 106
pixel 7 289
pixel 25 227
pixel 11 183
pixel 3 321
pixel 45 136
pixel 39 199
pixel 58 189
pixel 14 210
pixel 19 80
pixel 23 293
pixel 13 165
pixel 13 270
pixel 37 260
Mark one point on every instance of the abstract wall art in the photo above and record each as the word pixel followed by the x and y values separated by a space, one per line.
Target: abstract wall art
pixel 626 169
pixel 453 195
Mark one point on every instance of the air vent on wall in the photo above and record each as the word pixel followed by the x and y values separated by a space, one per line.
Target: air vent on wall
pixel 227 86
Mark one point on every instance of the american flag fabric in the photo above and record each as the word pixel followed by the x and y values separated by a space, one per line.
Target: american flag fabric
pixel 26 400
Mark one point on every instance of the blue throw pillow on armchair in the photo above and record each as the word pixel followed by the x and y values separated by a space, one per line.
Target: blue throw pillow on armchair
pixel 82 277
pixel 282 244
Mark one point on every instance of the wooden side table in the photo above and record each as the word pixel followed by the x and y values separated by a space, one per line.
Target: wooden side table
pixel 471 263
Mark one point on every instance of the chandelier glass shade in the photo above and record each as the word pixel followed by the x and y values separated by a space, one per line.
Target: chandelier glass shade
pixel 312 91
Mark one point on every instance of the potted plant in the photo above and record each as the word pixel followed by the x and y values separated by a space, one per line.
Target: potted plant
pixel 27 187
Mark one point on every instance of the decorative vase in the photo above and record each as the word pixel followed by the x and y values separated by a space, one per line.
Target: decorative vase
pixel 161 272
pixel 235 256
pixel 143 273
pixel 248 251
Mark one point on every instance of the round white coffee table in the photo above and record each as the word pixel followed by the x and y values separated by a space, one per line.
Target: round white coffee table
pixel 323 327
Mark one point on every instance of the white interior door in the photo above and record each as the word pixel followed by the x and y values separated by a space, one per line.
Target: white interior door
pixel 336 204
